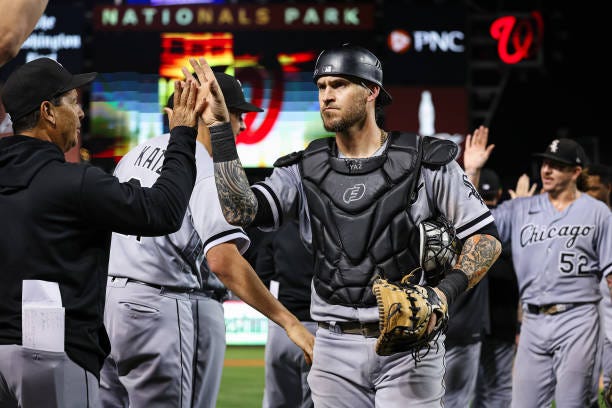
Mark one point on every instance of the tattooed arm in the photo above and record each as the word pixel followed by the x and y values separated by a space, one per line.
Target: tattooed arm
pixel 479 252
pixel 238 203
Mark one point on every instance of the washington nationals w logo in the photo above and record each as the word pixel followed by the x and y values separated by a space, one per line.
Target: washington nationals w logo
pixel 517 38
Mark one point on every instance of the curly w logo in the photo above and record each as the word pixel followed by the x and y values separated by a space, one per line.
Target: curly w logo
pixel 354 193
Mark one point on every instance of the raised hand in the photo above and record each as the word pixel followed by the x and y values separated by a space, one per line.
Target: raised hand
pixel 215 111
pixel 476 151
pixel 187 107
pixel 522 188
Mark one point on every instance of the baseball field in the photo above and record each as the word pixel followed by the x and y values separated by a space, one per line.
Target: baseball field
pixel 242 383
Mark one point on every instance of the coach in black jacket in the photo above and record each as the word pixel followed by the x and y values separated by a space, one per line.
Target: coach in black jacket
pixel 56 219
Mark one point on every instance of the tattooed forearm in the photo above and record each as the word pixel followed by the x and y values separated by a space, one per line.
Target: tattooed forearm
pixel 478 254
pixel 238 202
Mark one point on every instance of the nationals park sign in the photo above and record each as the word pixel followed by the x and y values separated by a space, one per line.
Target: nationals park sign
pixel 195 18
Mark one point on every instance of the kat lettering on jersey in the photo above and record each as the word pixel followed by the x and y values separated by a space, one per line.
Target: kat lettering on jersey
pixel 150 158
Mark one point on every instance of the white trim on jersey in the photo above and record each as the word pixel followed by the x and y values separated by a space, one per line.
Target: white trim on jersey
pixel 272 202
pixel 475 225
pixel 236 236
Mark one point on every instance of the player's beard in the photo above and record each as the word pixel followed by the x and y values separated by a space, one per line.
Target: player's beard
pixel 353 114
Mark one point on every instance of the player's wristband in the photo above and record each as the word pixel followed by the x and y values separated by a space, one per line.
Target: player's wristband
pixel 223 143
pixel 454 283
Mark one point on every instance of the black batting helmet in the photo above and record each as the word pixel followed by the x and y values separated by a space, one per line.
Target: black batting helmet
pixel 355 61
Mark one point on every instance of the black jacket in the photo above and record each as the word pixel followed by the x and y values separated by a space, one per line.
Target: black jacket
pixel 56 219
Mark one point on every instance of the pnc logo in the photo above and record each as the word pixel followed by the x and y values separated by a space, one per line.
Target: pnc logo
pixel 518 39
pixel 400 41
pixel 354 193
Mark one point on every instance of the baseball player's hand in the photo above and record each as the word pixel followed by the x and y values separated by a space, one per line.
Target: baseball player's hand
pixel 476 152
pixel 522 188
pixel 216 111
pixel 300 335
pixel 434 318
pixel 187 107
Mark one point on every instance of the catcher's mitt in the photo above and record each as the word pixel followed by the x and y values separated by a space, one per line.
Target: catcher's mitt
pixel 404 311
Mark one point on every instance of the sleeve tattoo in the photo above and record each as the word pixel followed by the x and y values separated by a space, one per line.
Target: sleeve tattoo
pixel 478 254
pixel 238 203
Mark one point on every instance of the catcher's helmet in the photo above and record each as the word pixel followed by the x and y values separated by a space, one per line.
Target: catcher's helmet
pixel 354 61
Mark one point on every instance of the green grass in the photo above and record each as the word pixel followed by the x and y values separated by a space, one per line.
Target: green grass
pixel 242 385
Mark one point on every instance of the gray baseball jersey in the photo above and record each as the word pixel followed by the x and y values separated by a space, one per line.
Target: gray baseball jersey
pixel 606 309
pixel 559 258
pixel 172 260
pixel 151 359
pixel 448 189
pixel 346 371
pixel 605 312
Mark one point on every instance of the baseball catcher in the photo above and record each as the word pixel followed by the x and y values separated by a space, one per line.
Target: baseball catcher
pixel 405 309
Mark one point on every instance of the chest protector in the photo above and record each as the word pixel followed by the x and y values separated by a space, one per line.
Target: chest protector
pixel 360 213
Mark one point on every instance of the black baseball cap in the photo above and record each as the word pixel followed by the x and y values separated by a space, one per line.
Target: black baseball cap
pixel 232 93
pixel 566 151
pixel 37 81
pixel 489 183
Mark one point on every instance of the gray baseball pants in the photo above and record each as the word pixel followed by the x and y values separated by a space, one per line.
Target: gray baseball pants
pixel 286 370
pixel 152 335
pixel 35 378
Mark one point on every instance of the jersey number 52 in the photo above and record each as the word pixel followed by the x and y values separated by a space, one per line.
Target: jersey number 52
pixel 572 264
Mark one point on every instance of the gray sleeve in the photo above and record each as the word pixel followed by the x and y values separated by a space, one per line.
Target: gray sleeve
pixel 454 196
pixel 604 244
pixel 503 214
pixel 284 193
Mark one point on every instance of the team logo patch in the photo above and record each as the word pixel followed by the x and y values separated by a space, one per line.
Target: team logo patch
pixel 554 146
pixel 472 190
pixel 354 193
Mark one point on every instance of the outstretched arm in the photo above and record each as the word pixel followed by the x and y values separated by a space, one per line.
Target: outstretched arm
pixel 17 20
pixel 238 203
pixel 238 275
pixel 476 153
